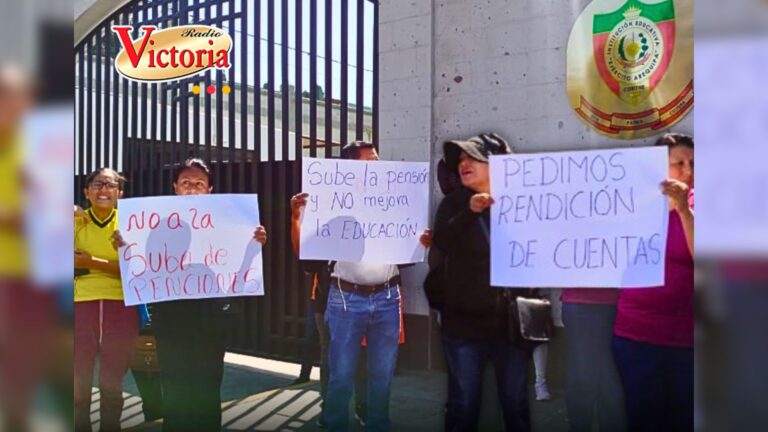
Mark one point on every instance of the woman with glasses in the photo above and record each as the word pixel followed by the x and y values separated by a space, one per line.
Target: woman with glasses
pixel 103 324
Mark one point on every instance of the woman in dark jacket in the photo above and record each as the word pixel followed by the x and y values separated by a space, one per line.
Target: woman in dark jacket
pixel 475 321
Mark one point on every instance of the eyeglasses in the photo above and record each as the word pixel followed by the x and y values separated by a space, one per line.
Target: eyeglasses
pixel 103 185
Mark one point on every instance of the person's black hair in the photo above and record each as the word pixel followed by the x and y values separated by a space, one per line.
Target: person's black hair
pixel 192 163
pixel 672 140
pixel 449 181
pixel 92 176
pixel 352 150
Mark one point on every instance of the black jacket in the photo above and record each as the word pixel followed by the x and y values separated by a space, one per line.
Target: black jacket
pixel 470 308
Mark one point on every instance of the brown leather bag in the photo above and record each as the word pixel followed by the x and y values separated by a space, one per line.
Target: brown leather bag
pixel 145 354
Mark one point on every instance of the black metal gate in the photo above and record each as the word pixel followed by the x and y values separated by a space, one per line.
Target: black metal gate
pixel 252 131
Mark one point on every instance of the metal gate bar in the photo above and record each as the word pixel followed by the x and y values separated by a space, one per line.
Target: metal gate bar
pixel 143 129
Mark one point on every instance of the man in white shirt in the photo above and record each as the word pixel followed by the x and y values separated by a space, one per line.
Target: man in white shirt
pixel 363 301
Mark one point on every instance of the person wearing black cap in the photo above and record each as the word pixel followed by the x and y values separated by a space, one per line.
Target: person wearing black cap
pixel 475 320
pixel 363 302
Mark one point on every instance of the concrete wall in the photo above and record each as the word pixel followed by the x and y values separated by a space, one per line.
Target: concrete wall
pixel 405 103
pixel 405 79
pixel 501 66
pixel 454 68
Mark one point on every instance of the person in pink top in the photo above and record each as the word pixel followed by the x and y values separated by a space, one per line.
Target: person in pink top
pixel 653 333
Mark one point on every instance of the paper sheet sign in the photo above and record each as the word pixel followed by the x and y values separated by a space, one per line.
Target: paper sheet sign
pixel 48 184
pixel 371 211
pixel 188 247
pixel 579 219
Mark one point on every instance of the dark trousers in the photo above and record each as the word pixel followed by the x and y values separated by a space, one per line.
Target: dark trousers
pixel 746 347
pixel 593 380
pixel 322 330
pixel 466 361
pixel 151 391
pixel 658 385
pixel 190 345
pixel 311 339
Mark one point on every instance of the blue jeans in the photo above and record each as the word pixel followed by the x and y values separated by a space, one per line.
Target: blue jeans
pixel 466 361
pixel 658 385
pixel 350 316
pixel 593 380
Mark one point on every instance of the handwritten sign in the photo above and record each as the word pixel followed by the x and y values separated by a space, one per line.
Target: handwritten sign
pixel 579 219
pixel 189 247
pixel 371 211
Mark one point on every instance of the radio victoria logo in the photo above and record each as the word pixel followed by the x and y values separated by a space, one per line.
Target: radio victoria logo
pixel 172 53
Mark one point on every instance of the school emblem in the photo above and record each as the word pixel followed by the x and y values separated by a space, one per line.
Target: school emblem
pixel 630 66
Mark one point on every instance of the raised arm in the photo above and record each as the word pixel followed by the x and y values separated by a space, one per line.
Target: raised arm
pixel 678 193
pixel 298 202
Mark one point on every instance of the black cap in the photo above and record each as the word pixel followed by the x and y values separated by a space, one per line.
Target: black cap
pixel 478 147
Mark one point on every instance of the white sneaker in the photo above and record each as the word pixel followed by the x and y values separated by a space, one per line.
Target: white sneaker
pixel 542 392
pixel 360 419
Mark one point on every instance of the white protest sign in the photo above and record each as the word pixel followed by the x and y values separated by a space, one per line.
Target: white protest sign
pixel 579 219
pixel 48 162
pixel 371 211
pixel 189 247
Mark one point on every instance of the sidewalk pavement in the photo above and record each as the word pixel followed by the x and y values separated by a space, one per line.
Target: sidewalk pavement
pixel 264 400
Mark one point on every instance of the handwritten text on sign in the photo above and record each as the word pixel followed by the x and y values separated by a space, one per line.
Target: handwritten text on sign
pixel 372 211
pixel 187 247
pixel 579 219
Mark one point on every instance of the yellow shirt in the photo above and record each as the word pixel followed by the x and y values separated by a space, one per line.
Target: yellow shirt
pixel 14 262
pixel 95 237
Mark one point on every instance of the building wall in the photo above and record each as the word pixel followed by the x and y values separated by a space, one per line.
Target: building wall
pixel 405 103
pixel 453 68
pixel 501 66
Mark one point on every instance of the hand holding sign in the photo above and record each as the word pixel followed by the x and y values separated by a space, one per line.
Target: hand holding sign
pixel 298 202
pixel 260 235
pixel 677 192
pixel 117 240
pixel 426 238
